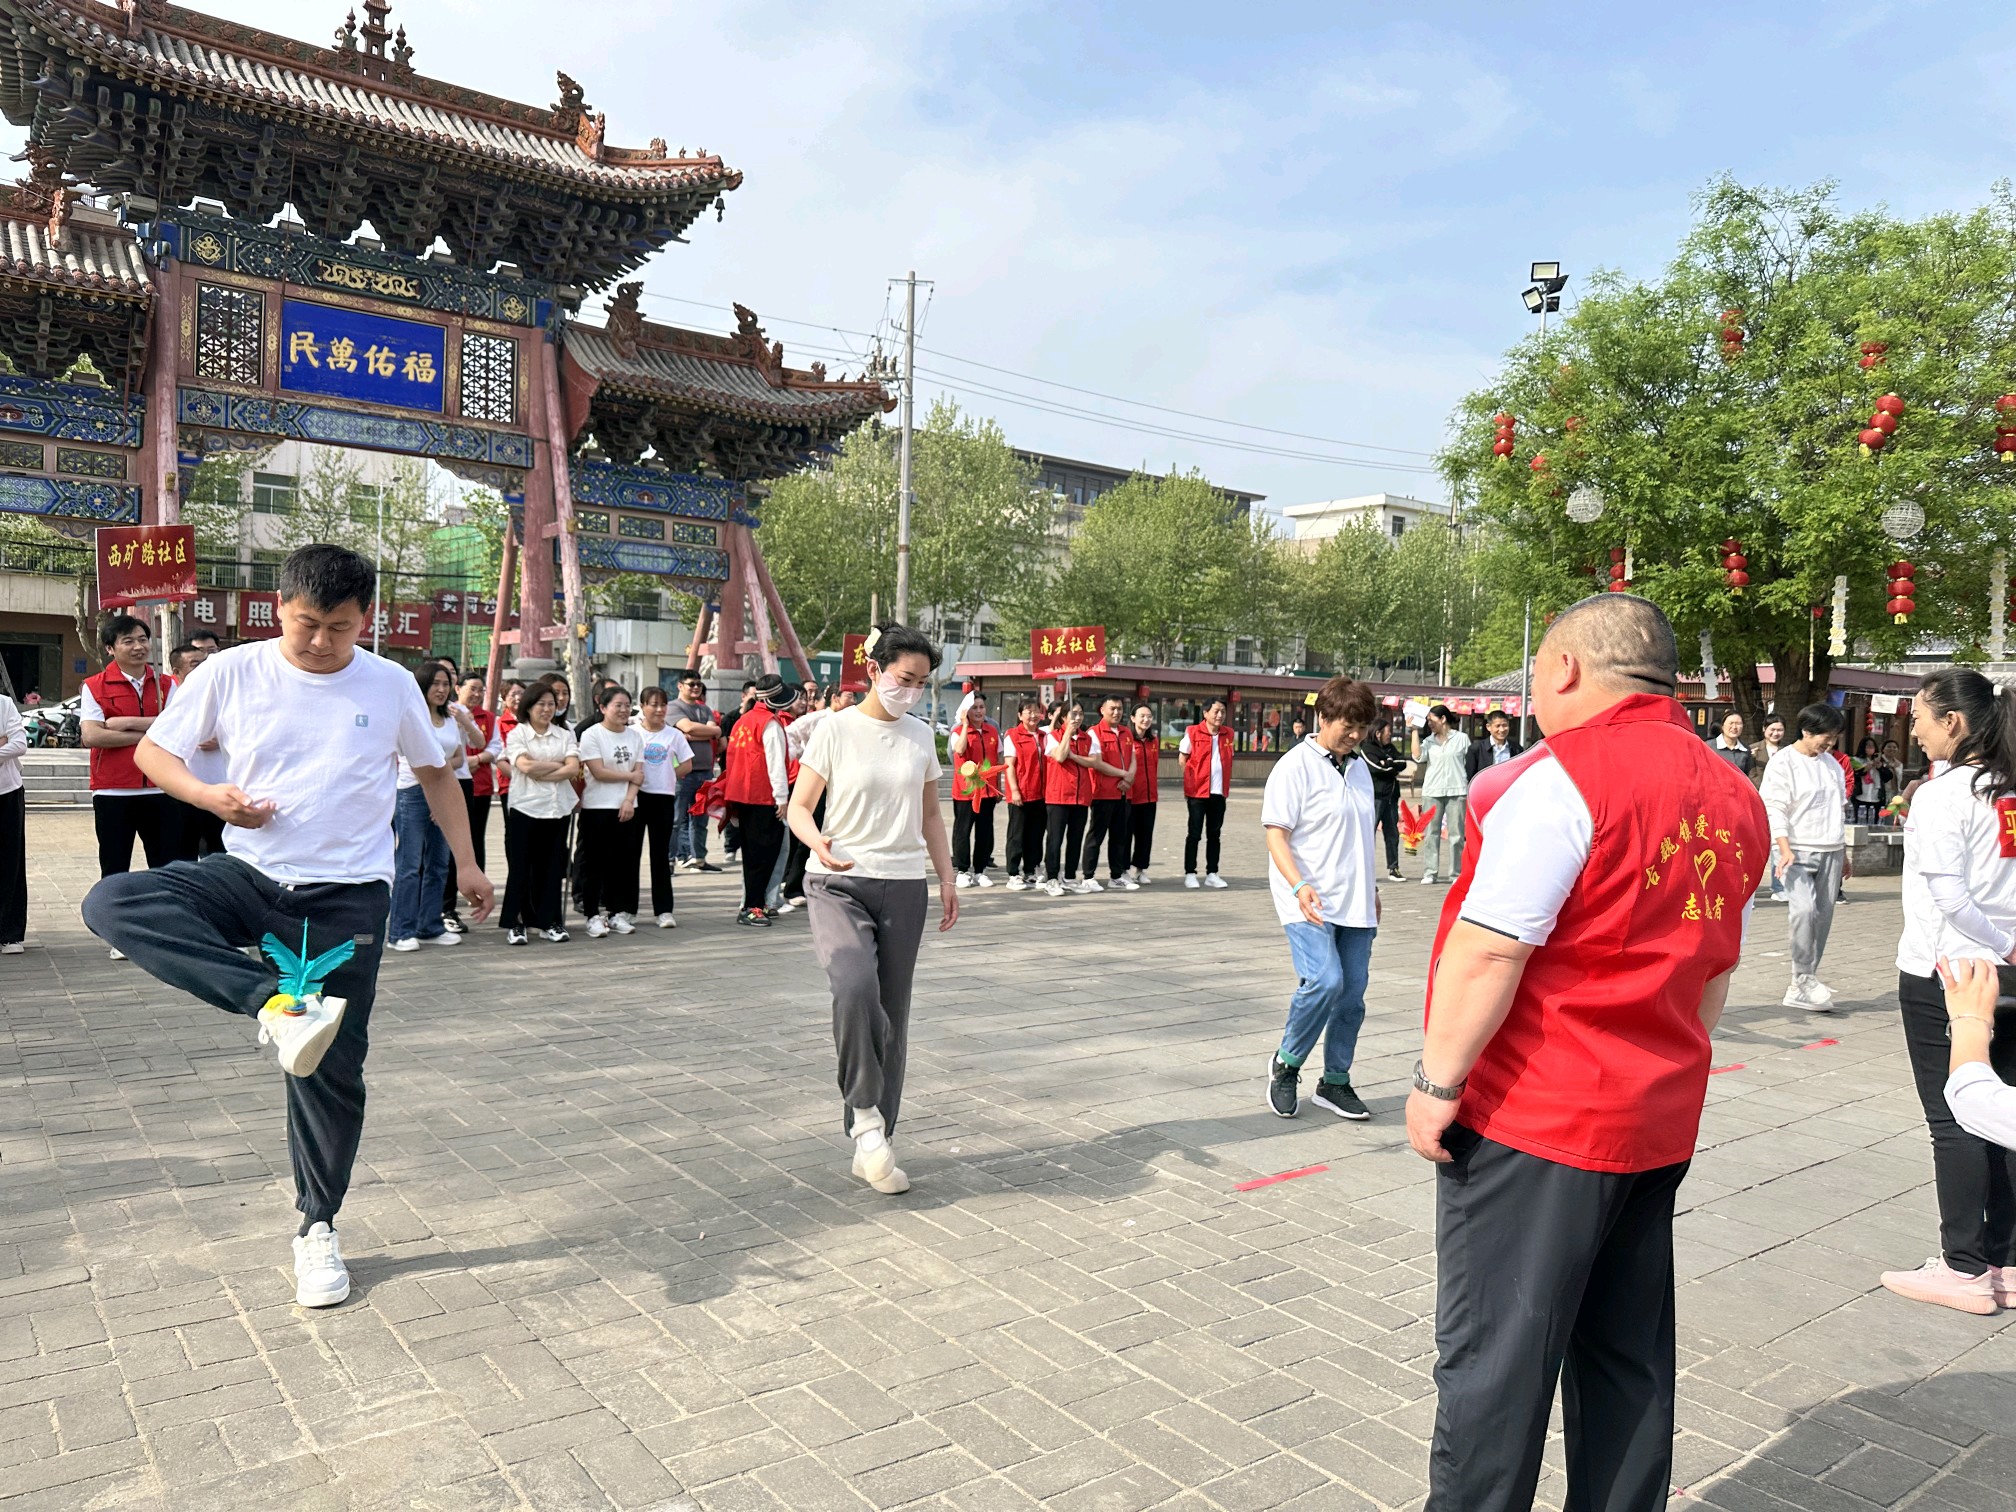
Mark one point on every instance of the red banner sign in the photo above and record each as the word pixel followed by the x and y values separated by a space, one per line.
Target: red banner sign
pixel 854 663
pixel 1073 651
pixel 258 616
pixel 139 563
pixel 401 627
pixel 478 610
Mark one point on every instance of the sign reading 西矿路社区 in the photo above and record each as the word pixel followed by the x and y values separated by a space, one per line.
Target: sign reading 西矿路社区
pixel 325 349
pixel 853 663
pixel 1073 651
pixel 139 563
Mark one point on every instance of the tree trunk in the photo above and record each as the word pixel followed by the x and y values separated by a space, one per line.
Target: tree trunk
pixel 1796 687
pixel 1747 691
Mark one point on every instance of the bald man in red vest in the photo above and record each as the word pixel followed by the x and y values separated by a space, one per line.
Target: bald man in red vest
pixel 1583 958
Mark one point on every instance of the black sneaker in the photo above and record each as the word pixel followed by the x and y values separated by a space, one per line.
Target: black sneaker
pixel 753 916
pixel 707 866
pixel 1281 1084
pixel 1341 1100
pixel 1395 876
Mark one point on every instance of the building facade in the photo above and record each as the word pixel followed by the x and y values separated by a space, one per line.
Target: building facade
pixel 1392 515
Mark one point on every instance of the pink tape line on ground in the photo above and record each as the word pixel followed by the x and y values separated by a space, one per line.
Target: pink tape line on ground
pixel 1717 1071
pixel 1820 1044
pixel 1247 1186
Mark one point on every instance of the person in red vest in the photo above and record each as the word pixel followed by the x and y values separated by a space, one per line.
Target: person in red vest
pixel 117 708
pixel 1582 961
pixel 976 739
pixel 1141 793
pixel 1206 749
pixel 1023 746
pixel 758 782
pixel 478 788
pixel 1067 795
pixel 1112 775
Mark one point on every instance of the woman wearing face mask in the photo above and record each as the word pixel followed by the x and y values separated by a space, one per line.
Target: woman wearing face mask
pixel 866 893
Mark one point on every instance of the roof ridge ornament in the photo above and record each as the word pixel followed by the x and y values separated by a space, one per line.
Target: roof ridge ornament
pixel 750 342
pixel 621 322
pixel 138 12
pixel 571 106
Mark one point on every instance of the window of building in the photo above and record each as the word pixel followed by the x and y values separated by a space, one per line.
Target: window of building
pixel 274 493
pixel 955 631
pixel 1399 526
pixel 364 499
pixel 228 325
pixel 989 633
pixel 266 570
pixel 489 377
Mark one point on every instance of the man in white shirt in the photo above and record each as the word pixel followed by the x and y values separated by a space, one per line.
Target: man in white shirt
pixel 1445 783
pixel 312 728
pixel 1804 794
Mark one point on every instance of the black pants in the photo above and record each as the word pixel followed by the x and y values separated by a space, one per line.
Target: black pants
pixel 1546 1271
pixel 1976 1180
pixel 478 809
pixel 762 838
pixel 535 851
pixel 1025 837
pixel 1064 824
pixel 660 815
pixel 1207 818
pixel 189 924
pixel 1140 833
pixel 973 834
pixel 1386 817
pixel 147 817
pixel 13 867
pixel 607 847
pixel 1107 827
pixel 796 854
pixel 199 832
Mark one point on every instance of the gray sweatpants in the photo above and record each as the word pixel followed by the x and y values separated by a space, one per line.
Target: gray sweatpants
pixel 1812 883
pixel 866 933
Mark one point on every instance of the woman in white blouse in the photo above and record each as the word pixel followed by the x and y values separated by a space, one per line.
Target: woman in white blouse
pixel 13 832
pixel 422 863
pixel 1960 905
pixel 544 762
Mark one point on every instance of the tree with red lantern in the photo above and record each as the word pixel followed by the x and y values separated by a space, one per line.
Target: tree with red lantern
pixel 1507 434
pixel 1735 565
pixel 1903 591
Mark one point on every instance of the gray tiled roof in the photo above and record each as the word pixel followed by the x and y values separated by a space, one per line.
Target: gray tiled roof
pixel 106 260
pixel 733 385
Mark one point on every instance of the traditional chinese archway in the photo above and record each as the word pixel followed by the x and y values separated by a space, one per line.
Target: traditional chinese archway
pixel 214 328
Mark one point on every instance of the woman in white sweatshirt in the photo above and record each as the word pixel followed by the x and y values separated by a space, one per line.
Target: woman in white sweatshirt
pixel 1960 904
pixel 1805 794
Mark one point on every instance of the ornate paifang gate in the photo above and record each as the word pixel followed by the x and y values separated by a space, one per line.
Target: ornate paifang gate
pixel 215 328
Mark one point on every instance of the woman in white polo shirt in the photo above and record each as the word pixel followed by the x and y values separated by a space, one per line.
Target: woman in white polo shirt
pixel 1319 817
pixel 865 887
pixel 545 762
pixel 1960 904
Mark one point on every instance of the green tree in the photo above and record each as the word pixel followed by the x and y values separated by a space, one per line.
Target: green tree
pixel 391 521
pixel 829 537
pixel 980 528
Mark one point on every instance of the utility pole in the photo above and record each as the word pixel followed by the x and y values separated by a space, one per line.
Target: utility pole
pixel 909 420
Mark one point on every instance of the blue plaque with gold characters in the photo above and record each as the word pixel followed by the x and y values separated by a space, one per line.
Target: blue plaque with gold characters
pixel 325 349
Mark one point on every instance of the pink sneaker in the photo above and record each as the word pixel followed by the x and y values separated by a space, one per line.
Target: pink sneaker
pixel 1936 1281
pixel 2005 1284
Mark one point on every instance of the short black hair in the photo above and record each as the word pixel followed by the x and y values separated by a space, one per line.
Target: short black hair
pixel 427 671
pixel 1497 714
pixel 204 635
pixel 187 648
pixel 1821 719
pixel 113 626
pixel 653 694
pixel 887 642
pixel 748 683
pixel 686 677
pixel 328 577
pixel 608 691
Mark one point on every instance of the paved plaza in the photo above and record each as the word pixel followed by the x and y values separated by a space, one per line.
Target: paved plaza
pixel 606 1252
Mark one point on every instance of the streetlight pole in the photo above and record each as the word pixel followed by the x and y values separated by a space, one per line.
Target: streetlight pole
pixel 378 609
pixel 903 480
pixel 1543 293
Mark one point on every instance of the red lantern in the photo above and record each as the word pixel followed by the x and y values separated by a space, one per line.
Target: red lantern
pixel 1617 553
pixel 1507 433
pixel 1739 580
pixel 1735 561
pixel 1572 423
pixel 1890 404
pixel 1501 448
pixel 1896 607
pixel 1501 420
pixel 2005 445
pixel 1873 353
pixel 1883 421
pixel 1621 585
pixel 2006 403
pixel 1872 440
pixel 1539 462
pixel 1901 568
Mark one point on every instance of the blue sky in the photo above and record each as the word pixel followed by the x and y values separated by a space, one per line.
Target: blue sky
pixel 1314 217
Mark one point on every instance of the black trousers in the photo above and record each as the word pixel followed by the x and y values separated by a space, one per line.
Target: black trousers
pixel 973 834
pixel 1140 833
pixel 797 853
pixel 1386 817
pixel 535 851
pixel 1064 824
pixel 762 838
pixel 148 817
pixel 189 924
pixel 13 867
pixel 1544 1272
pixel 660 814
pixel 478 809
pixel 1975 1180
pixel 1025 837
pixel 1207 819
pixel 608 847
pixel 199 832
pixel 1107 827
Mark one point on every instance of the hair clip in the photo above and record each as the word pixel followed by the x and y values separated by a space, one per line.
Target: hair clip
pixel 869 641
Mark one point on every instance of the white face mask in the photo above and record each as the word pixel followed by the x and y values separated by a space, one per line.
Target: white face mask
pixel 896 698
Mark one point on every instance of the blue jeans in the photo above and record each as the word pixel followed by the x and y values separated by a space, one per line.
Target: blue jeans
pixel 420 869
pixel 1333 963
pixel 689 834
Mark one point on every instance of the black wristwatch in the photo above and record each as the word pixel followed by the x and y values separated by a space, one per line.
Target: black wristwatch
pixel 1443 1094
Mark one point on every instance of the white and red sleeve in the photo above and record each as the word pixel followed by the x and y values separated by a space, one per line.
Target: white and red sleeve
pixel 1533 839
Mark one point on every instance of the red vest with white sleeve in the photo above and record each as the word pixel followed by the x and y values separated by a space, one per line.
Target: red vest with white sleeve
pixel 1116 748
pixel 984 746
pixel 1066 782
pixel 1197 765
pixel 1025 749
pixel 748 776
pixel 1602 1062
pixel 1147 779
pixel 114 768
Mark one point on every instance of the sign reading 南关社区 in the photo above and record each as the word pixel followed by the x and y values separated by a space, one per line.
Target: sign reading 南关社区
pixel 325 349
pixel 1074 651
pixel 854 663
pixel 138 563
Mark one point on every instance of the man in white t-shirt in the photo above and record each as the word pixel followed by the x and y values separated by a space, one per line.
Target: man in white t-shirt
pixel 312 728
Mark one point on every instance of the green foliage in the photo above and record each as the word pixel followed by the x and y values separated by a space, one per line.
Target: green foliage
pixel 392 526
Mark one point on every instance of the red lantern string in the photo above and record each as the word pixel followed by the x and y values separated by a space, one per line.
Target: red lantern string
pixel 1733 565
pixel 1882 425
pixel 2005 428
pixel 1732 335
pixel 1873 353
pixel 1903 590
pixel 1507 434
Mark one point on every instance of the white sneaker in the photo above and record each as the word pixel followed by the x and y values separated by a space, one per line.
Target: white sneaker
pixel 789 905
pixel 1016 884
pixel 964 879
pixel 598 926
pixel 666 921
pixel 557 936
pixel 1427 879
pixel 13 947
pixel 1053 889
pixel 875 1162
pixel 409 943
pixel 688 865
pixel 1214 880
pixel 300 1031
pixel 1090 885
pixel 444 939
pixel 1190 879
pixel 514 937
pixel 1141 875
pixel 621 924
pixel 1128 884
pixel 118 955
pixel 981 879
pixel 320 1277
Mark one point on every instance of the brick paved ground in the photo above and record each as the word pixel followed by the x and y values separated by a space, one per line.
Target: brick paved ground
pixel 606 1251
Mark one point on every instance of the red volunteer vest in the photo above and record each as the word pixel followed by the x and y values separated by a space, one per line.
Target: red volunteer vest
pixel 748 776
pixel 114 767
pixel 1147 780
pixel 1025 749
pixel 1116 748
pixel 482 778
pixel 1197 765
pixel 1602 1062
pixel 1066 782
pixel 984 746
pixel 501 773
